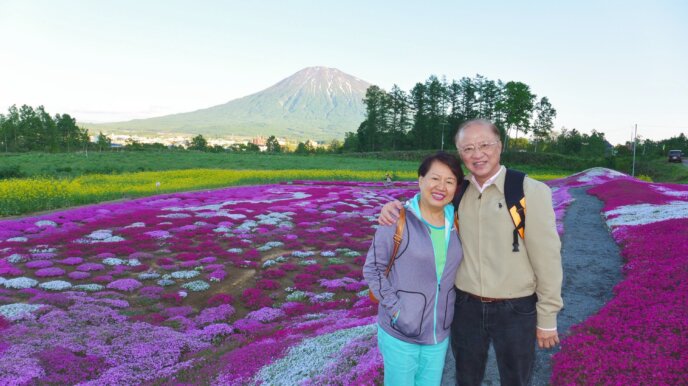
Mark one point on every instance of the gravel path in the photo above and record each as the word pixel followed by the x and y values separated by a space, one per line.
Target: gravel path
pixel 592 266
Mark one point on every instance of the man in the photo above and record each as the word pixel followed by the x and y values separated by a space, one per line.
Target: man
pixel 504 297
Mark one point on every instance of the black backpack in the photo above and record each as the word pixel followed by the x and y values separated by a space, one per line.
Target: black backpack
pixel 515 202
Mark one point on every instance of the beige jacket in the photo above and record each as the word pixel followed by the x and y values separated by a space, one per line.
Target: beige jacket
pixel 490 268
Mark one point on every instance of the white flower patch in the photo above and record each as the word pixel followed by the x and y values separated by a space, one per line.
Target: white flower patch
pixel 56 285
pixel 184 274
pixel 592 174
pixel 270 245
pixel 136 225
pixel 309 358
pixel 196 286
pixel 322 297
pixel 247 226
pixel 2 280
pixel 165 282
pixel 222 229
pixel 18 311
pixel 234 250
pixel 300 195
pixel 646 213
pixel 273 218
pixel 113 261
pixel 148 275
pixel 42 249
pixel 15 258
pixel 133 262
pixel 20 283
pixel 269 263
pixel 302 254
pixel 670 192
pixel 89 287
pixel 175 215
pixel 17 239
pixel 100 236
pixel 45 224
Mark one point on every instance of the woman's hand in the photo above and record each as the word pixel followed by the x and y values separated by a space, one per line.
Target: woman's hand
pixel 390 213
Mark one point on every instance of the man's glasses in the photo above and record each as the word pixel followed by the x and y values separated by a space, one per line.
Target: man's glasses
pixel 481 147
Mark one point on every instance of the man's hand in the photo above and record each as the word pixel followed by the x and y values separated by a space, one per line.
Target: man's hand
pixel 546 339
pixel 390 213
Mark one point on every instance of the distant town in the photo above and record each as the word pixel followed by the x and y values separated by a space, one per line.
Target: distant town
pixel 184 140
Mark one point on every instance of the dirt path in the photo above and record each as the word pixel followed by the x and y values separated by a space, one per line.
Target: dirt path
pixel 592 266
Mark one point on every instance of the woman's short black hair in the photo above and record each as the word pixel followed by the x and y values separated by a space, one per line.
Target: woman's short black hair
pixel 450 160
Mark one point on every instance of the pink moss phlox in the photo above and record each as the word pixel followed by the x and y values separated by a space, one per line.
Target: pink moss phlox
pixel 639 336
pixel 215 314
pixel 72 261
pixel 64 367
pixel 275 273
pixel 78 275
pixel 254 299
pixel 221 298
pixel 49 272
pixel 35 264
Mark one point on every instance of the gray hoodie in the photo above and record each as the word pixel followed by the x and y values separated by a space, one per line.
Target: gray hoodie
pixel 426 307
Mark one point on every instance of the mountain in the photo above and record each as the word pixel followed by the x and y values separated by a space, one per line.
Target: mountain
pixel 317 102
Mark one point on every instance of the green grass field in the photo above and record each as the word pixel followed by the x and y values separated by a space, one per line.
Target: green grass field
pixel 61 165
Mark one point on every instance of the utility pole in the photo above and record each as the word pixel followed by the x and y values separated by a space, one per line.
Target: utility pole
pixel 635 140
pixel 443 125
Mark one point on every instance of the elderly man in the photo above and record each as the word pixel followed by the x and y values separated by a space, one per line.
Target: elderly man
pixel 506 296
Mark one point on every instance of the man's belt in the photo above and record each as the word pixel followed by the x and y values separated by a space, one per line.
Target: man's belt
pixel 484 299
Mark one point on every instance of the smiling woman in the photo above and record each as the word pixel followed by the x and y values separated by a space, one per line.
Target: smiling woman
pixel 414 287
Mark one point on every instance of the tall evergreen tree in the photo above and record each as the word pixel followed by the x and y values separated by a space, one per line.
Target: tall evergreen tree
pixel 517 107
pixel 374 127
pixel 544 120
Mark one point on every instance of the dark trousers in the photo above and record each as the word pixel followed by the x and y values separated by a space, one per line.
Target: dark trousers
pixel 508 324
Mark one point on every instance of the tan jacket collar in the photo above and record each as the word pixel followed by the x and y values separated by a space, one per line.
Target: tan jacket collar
pixel 496 180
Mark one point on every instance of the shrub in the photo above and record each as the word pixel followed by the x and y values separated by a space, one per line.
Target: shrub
pixel 254 299
pixel 219 299
pixel 127 285
pixel 63 367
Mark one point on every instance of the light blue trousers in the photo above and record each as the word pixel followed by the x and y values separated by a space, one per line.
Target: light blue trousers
pixel 409 363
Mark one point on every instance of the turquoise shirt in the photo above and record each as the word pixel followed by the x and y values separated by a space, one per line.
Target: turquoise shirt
pixel 439 245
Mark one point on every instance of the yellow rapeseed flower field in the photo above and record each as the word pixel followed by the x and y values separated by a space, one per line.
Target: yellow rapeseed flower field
pixel 19 196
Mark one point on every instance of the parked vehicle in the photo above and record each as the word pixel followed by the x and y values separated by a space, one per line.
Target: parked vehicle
pixel 675 156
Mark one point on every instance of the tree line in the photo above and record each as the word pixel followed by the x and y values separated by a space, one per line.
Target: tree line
pixel 427 116
pixel 29 129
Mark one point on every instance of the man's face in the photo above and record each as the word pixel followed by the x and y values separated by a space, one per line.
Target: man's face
pixel 479 149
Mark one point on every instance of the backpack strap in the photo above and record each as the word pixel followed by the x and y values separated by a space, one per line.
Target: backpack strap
pixel 516 203
pixel 457 198
pixel 456 221
pixel 398 237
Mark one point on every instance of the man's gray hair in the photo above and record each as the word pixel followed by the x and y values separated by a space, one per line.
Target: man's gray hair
pixel 479 122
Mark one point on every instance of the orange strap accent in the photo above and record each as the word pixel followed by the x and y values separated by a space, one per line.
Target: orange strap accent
pixel 398 237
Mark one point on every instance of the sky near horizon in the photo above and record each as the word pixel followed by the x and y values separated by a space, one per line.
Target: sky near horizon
pixel 604 65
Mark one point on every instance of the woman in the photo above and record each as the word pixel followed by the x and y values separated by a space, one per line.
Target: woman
pixel 417 296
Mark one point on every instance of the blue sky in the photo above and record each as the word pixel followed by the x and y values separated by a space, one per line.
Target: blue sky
pixel 604 65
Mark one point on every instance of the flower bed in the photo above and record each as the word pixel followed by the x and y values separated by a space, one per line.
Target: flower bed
pixel 241 267
pixel 639 337
pixel 273 272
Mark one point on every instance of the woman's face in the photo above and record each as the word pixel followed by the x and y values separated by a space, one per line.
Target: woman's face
pixel 437 186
